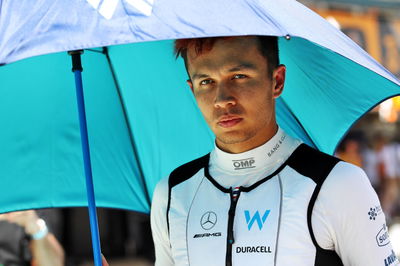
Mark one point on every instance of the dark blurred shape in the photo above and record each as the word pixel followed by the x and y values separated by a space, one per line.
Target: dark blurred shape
pixel 123 234
pixel 349 149
pixel 366 3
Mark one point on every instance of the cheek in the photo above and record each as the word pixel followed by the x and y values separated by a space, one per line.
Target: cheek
pixel 259 105
pixel 205 104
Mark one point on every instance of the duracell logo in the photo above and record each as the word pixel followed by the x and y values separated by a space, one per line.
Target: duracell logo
pixel 244 163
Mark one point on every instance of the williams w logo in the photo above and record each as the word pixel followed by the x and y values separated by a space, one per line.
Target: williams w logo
pixel 256 218
pixel 107 7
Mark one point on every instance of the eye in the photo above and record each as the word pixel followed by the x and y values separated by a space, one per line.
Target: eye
pixel 239 76
pixel 206 82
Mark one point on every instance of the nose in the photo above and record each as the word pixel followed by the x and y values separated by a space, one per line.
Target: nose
pixel 224 96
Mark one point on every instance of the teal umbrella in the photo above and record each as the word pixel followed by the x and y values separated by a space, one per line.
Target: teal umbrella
pixel 142 120
pixel 136 135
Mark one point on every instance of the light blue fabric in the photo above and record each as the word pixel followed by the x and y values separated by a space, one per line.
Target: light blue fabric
pixel 40 155
pixel 144 123
pixel 326 92
pixel 30 28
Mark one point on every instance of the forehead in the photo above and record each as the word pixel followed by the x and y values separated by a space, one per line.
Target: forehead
pixel 226 53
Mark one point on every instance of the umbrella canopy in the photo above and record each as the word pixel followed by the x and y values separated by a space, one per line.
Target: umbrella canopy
pixel 365 3
pixel 142 119
pixel 138 128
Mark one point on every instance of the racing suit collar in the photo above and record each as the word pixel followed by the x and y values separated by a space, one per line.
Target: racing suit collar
pixel 272 153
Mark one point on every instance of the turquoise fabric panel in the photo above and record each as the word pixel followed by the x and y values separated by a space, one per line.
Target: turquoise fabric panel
pixel 40 155
pixel 167 126
pixel 326 103
pixel 39 132
pixel 149 124
pixel 289 123
pixel 38 140
pixel 116 175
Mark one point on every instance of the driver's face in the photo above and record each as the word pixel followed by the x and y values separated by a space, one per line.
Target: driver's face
pixel 235 93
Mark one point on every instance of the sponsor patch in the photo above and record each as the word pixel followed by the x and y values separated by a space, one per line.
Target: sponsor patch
pixel 107 8
pixel 374 212
pixel 244 163
pixel 254 249
pixel 382 238
pixel 208 220
pixel 391 259
pixel 217 234
pixel 256 219
pixel 277 146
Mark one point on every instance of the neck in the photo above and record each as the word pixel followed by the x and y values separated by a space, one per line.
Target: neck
pixel 249 144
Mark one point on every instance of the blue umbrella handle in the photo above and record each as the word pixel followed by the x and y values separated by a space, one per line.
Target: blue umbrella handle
pixel 94 228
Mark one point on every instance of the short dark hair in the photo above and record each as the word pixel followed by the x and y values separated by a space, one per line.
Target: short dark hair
pixel 268 46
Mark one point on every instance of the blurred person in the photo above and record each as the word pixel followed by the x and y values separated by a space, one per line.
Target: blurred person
pixel 371 162
pixel 104 261
pixel 139 241
pixel 390 160
pixel 350 149
pixel 25 239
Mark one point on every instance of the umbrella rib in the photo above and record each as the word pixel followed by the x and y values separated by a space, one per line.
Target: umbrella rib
pixel 361 116
pixel 298 122
pixel 135 151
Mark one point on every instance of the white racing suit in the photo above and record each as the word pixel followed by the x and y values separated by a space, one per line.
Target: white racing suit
pixel 282 203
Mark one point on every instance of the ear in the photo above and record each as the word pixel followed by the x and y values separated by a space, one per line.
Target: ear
pixel 189 82
pixel 278 78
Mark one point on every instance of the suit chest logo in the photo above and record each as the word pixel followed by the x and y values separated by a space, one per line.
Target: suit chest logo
pixel 256 218
pixel 244 163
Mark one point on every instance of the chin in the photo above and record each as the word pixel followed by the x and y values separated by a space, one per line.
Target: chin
pixel 232 137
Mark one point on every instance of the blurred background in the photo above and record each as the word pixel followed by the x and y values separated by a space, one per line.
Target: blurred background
pixel 373 143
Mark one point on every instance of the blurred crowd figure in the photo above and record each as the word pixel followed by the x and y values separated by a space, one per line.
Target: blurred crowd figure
pixel 61 236
pixel 380 158
pixel 28 238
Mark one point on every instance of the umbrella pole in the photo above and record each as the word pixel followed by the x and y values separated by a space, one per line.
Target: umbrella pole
pixel 94 228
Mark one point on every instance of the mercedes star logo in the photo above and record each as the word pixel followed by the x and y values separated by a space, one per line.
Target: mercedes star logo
pixel 208 220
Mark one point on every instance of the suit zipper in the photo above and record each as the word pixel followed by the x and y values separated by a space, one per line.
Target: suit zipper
pixel 234 193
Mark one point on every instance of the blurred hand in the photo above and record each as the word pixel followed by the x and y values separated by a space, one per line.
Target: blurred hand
pixel 104 261
pixel 27 219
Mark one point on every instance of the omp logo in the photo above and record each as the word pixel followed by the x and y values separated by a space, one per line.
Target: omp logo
pixel 107 7
pixel 243 164
pixel 256 218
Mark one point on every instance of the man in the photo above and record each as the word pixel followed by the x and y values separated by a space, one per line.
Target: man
pixel 260 197
pixel 25 240
pixel 389 158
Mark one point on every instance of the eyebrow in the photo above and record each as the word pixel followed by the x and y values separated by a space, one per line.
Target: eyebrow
pixel 199 76
pixel 242 66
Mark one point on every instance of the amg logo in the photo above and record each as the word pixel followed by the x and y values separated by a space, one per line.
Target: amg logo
pixel 207 235
pixel 257 249
pixel 244 163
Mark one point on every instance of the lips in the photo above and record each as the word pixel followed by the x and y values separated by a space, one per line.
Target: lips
pixel 229 121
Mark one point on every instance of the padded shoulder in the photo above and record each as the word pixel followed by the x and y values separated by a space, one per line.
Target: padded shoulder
pixel 316 165
pixel 312 163
pixel 187 170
